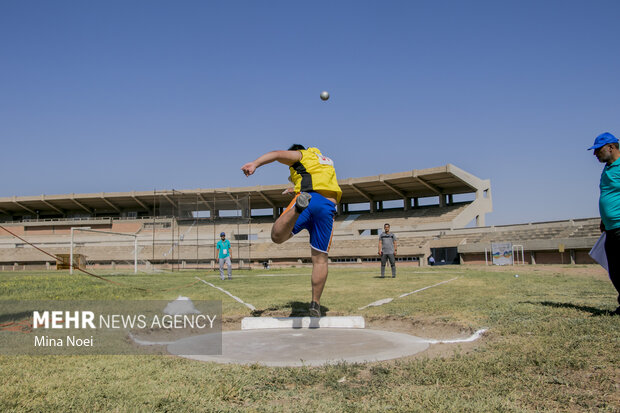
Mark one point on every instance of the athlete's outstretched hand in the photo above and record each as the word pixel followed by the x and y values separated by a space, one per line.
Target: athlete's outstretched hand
pixel 249 168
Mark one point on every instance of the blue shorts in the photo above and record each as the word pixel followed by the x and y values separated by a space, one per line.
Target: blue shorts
pixel 318 219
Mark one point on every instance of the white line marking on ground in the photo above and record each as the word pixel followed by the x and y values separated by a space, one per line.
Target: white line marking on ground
pixel 414 272
pixel 149 343
pixel 388 300
pixel 250 306
pixel 473 337
pixel 377 303
pixel 425 288
pixel 469 339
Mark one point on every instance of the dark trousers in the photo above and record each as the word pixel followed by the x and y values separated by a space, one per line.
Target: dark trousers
pixel 612 249
pixel 384 258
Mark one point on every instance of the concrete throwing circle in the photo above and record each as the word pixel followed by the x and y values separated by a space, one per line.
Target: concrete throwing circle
pixel 302 347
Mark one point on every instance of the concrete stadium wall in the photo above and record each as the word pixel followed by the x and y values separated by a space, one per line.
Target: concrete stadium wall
pixel 473 258
pixel 539 257
pixel 348 245
pixel 582 257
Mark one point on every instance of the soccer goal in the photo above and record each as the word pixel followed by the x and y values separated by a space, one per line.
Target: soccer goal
pixel 515 254
pixel 187 226
pixel 81 245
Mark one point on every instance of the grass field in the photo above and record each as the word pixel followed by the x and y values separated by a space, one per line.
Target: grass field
pixel 552 345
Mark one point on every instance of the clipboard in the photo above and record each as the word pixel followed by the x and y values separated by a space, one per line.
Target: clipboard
pixel 598 252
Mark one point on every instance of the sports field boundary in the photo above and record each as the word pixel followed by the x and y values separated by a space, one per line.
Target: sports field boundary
pixel 250 306
pixel 389 300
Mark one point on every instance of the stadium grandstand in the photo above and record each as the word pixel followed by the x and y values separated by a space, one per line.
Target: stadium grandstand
pixel 439 211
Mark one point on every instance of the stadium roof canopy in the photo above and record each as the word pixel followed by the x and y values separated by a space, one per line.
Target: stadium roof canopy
pixel 417 183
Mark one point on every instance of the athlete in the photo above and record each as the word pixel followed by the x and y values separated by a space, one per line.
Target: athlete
pixel 313 208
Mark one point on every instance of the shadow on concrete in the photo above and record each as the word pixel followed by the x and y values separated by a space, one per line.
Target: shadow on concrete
pixel 298 309
pixel 596 312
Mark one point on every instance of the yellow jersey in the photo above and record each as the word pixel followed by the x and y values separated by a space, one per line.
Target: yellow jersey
pixel 315 172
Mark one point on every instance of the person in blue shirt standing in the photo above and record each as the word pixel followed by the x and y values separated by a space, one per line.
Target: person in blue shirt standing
pixel 223 253
pixel 606 150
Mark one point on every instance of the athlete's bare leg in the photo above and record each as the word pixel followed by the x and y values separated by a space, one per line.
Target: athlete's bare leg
pixel 319 273
pixel 283 227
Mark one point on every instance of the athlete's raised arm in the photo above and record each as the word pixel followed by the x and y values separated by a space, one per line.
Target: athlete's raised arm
pixel 285 157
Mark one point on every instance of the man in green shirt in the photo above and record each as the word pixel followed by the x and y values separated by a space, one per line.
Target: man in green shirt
pixel 223 253
pixel 607 152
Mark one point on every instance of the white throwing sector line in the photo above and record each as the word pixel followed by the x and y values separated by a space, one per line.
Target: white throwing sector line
pixel 388 300
pixel 150 343
pixel 430 286
pixel 377 303
pixel 473 337
pixel 250 306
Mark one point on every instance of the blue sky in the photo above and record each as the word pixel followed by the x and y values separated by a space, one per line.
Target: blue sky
pixel 141 95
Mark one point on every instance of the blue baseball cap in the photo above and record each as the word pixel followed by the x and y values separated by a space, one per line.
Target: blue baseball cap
pixel 603 139
pixel 223 234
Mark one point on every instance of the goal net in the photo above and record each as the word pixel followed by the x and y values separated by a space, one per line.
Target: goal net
pixel 93 248
pixel 186 227
pixel 180 233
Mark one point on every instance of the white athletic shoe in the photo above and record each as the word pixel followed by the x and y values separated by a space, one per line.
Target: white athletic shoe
pixel 302 201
